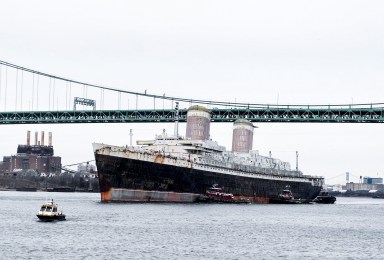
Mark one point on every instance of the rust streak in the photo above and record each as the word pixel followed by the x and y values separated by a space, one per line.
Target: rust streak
pixel 106 195
pixel 159 159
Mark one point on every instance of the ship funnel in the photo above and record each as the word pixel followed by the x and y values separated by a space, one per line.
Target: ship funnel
pixel 42 137
pixel 36 137
pixel 50 139
pixel 198 123
pixel 28 138
pixel 242 138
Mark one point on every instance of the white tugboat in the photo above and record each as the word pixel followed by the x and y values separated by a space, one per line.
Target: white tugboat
pixel 49 212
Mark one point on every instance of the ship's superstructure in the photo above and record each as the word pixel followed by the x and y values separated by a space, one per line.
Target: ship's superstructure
pixel 173 169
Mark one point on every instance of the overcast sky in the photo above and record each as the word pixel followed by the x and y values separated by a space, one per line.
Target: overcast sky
pixel 270 52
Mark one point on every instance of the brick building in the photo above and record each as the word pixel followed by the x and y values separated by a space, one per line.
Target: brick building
pixel 38 157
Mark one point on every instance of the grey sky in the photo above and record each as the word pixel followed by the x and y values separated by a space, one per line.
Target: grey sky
pixel 286 52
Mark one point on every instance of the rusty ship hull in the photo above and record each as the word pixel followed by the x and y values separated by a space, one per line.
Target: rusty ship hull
pixel 177 169
pixel 129 176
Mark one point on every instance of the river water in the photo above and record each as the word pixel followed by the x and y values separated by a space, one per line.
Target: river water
pixel 353 228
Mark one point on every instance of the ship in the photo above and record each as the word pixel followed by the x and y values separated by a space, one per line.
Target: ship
pixel 172 168
pixel 325 198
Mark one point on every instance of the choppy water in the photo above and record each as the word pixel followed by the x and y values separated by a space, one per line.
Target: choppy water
pixel 353 228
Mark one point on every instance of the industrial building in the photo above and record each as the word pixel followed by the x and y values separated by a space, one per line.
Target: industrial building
pixel 38 157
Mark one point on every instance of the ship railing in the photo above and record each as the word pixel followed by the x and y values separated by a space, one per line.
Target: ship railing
pixel 249 169
pixel 267 172
pixel 211 162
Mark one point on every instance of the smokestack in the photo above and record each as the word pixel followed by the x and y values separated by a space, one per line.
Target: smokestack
pixel 42 137
pixel 28 138
pixel 198 123
pixel 50 139
pixel 242 137
pixel 36 134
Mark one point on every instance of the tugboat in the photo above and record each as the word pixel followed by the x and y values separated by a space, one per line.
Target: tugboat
pixel 286 197
pixel 325 198
pixel 48 212
pixel 216 194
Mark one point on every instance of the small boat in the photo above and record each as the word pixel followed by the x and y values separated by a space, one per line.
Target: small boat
pixel 217 194
pixel 48 212
pixel 285 197
pixel 325 198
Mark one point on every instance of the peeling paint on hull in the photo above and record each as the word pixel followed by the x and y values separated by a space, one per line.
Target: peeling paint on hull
pixel 129 195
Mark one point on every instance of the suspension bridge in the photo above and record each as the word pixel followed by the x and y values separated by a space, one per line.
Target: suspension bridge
pixel 29 96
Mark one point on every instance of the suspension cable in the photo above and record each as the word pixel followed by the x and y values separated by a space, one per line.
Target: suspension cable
pixel 186 100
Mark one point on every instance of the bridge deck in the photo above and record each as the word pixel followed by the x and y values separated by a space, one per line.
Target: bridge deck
pixel 273 114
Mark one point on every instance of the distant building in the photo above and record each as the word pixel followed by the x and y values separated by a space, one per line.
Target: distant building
pixel 335 187
pixel 363 186
pixel 87 170
pixel 86 167
pixel 369 180
pixel 38 157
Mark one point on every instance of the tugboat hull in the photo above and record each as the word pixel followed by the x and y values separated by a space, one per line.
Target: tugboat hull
pixel 325 198
pixel 51 218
